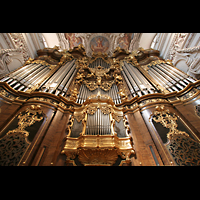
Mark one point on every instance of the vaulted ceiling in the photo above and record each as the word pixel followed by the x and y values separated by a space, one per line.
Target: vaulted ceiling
pixel 99 42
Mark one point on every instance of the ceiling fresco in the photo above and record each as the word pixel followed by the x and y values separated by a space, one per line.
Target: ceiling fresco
pixel 102 42
pixel 124 42
pixel 73 40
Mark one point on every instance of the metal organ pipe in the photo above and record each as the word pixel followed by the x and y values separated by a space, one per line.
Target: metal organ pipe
pixel 27 72
pixel 132 81
pixel 175 75
pixel 176 79
pixel 15 73
pixel 132 84
pixel 25 76
pixel 180 73
pixel 170 82
pixel 56 82
pixel 129 85
pixel 22 70
pixel 141 81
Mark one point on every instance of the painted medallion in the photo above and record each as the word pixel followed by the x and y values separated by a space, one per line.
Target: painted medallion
pixel 99 44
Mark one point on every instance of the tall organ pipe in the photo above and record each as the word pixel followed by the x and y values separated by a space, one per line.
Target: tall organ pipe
pixel 169 79
pixel 175 75
pixel 141 81
pixel 129 85
pixel 132 81
pixel 180 73
pixel 56 79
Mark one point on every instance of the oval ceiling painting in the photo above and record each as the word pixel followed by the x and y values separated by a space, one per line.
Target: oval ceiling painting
pixel 99 44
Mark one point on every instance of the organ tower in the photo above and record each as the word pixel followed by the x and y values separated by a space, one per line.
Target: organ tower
pixel 66 108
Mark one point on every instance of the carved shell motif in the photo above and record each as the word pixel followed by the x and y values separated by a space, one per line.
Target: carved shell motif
pixel 97 156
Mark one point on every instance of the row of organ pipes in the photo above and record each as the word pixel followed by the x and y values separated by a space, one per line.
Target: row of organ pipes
pixel 137 83
pixel 60 81
pixel 32 74
pixel 28 76
pixel 98 124
pixel 169 77
pixel 97 62
pixel 84 92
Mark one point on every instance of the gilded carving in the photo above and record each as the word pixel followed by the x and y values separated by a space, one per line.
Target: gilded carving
pixel 92 109
pixel 185 150
pixel 98 149
pixel 74 94
pixel 15 142
pixel 163 116
pixel 27 119
pixel 189 94
pixel 45 100
pixel 117 77
pixel 6 94
pixel 70 124
pixel 106 85
pixel 92 157
pixel 79 78
pixel 131 59
pixel 91 85
pixel 122 93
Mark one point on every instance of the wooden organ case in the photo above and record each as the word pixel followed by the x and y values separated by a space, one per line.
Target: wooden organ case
pixel 65 108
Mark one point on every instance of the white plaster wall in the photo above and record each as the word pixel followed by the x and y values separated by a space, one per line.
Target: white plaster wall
pixel 146 39
pixel 51 39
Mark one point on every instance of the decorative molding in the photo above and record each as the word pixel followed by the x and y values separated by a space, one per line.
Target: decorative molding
pixel 177 44
pixel 20 43
pixel 134 44
pixel 63 42
pixel 6 57
pixel 189 50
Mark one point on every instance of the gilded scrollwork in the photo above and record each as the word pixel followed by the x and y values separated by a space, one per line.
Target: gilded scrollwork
pixel 122 93
pixel 45 100
pixel 168 120
pixel 92 109
pixel 106 85
pixel 74 94
pixel 97 156
pixel 70 124
pixel 91 85
pixel 98 76
pixel 15 142
pixel 28 119
pixel 6 94
pixel 184 150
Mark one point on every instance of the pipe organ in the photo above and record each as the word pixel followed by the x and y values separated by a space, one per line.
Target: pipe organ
pixel 65 108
